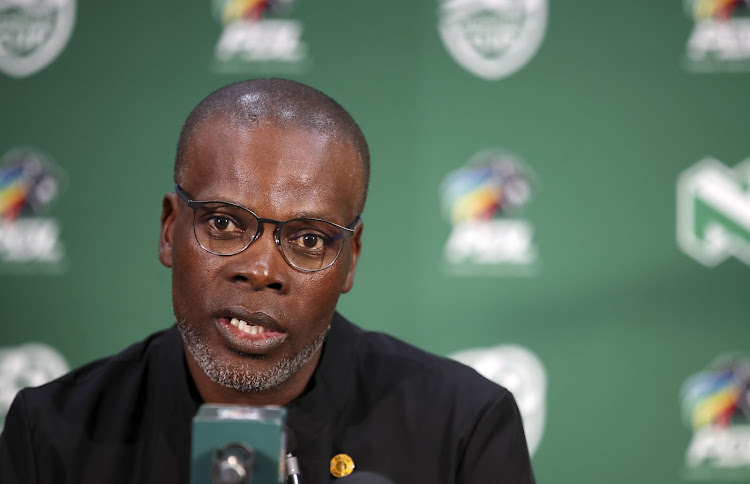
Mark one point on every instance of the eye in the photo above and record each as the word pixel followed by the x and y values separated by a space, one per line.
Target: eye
pixel 310 241
pixel 221 224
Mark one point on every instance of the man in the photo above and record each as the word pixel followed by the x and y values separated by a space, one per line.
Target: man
pixel 263 233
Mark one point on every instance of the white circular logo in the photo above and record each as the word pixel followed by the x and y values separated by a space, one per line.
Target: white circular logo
pixel 520 371
pixel 28 365
pixel 33 33
pixel 492 38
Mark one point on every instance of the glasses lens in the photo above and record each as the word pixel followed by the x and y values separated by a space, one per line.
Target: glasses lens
pixel 311 244
pixel 224 229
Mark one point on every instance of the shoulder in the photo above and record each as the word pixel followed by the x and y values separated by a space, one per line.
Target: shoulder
pixel 385 362
pixel 102 384
pixel 95 423
pixel 395 394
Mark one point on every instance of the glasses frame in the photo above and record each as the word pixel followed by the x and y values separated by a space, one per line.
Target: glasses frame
pixel 197 204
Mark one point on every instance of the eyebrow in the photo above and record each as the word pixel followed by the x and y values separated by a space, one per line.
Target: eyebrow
pixel 301 214
pixel 311 214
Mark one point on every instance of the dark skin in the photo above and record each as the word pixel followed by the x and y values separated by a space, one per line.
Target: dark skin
pixel 279 173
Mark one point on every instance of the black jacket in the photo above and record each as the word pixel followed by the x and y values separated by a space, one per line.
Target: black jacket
pixel 396 410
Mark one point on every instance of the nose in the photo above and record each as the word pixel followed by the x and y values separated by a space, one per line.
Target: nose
pixel 261 264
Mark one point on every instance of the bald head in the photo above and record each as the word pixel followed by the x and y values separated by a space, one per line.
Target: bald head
pixel 278 102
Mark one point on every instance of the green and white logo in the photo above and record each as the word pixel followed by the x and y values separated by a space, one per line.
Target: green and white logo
pixel 33 33
pixel 28 365
pixel 492 39
pixel 713 212
pixel 519 370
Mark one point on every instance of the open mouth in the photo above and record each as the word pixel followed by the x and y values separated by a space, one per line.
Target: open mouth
pixel 246 327
pixel 251 337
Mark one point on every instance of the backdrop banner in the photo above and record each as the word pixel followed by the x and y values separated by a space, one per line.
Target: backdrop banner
pixel 560 197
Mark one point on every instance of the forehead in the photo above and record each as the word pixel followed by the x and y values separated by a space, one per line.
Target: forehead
pixel 283 171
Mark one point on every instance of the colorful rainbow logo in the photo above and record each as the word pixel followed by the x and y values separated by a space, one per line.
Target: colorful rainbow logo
pixel 719 396
pixel 717 9
pixel 245 10
pixel 13 192
pixel 493 185
pixel 27 183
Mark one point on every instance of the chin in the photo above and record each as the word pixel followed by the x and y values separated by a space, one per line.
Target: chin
pixel 245 373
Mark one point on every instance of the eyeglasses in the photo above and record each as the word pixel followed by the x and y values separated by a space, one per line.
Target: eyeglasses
pixel 307 244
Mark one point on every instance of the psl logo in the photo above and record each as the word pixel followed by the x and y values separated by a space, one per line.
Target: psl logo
pixel 478 200
pixel 492 38
pixel 716 405
pixel 257 37
pixel 33 33
pixel 713 212
pixel 520 371
pixel 28 185
pixel 720 40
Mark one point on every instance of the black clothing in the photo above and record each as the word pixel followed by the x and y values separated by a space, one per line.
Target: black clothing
pixel 396 410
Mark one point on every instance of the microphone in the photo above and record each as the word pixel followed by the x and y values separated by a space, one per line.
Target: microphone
pixel 233 464
pixel 292 465
pixel 238 445
pixel 292 470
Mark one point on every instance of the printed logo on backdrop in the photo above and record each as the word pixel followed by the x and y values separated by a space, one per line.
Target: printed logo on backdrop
pixel 520 371
pixel 716 405
pixel 483 202
pixel 259 36
pixel 720 39
pixel 28 365
pixel 29 240
pixel 33 33
pixel 492 39
pixel 713 212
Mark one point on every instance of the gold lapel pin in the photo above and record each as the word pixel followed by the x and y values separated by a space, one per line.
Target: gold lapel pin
pixel 341 465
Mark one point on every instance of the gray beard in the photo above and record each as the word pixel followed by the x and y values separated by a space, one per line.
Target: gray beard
pixel 244 377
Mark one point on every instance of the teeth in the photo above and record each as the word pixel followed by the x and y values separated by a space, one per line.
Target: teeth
pixel 247 328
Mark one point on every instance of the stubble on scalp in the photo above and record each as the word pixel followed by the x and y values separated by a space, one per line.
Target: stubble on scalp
pixel 282 103
pixel 245 377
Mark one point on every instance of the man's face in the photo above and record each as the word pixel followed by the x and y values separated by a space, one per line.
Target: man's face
pixel 278 173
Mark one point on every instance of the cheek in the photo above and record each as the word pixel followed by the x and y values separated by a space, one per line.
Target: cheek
pixel 318 292
pixel 190 272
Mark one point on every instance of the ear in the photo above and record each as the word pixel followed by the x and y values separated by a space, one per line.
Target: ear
pixel 356 241
pixel 168 215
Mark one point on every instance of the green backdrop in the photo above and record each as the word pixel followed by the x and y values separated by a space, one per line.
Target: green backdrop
pixel 603 118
